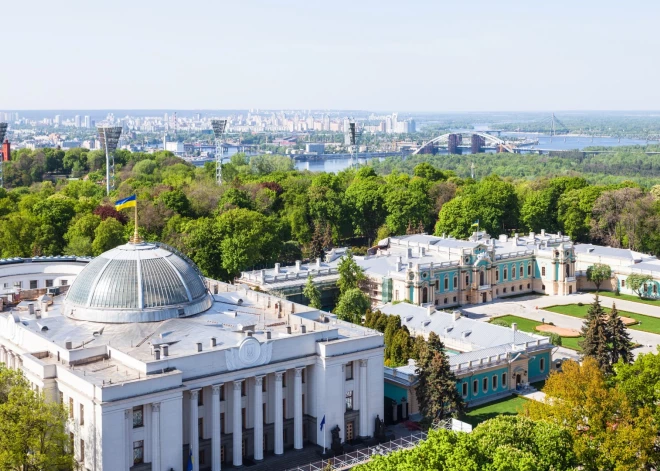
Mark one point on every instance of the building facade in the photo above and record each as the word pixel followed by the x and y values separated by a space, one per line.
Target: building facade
pixel 442 271
pixel 159 366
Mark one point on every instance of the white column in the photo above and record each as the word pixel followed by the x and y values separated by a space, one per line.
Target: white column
pixel 194 428
pixel 237 432
pixel 215 428
pixel 297 410
pixel 155 436
pixel 279 421
pixel 128 445
pixel 258 418
pixel 364 419
pixel 3 355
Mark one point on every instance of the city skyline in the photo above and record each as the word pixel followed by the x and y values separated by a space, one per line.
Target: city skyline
pixel 421 56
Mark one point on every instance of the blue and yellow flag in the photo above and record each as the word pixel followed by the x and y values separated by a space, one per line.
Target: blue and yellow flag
pixel 476 223
pixel 129 202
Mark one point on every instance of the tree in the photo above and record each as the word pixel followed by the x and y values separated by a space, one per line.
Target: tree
pixel 352 305
pixel 366 205
pixel 594 330
pixel 640 382
pixel 436 389
pixel 32 431
pixel 312 293
pixel 637 283
pixel 108 235
pixel 599 272
pixel 607 431
pixel 620 344
pixel 350 273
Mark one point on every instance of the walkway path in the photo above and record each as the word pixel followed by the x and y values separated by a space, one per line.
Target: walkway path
pixel 526 307
pixel 533 395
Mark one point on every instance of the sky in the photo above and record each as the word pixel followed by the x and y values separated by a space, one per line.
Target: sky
pixel 406 55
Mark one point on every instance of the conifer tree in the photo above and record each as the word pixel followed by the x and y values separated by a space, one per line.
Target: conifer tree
pixel 594 331
pixel 619 340
pixel 312 293
pixel 436 390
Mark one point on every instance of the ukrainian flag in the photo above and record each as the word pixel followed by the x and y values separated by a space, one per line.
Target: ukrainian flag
pixel 129 202
pixel 476 223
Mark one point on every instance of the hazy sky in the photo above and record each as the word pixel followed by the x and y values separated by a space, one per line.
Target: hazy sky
pixel 404 55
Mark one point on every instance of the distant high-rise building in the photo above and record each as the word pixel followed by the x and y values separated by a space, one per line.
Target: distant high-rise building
pixel 88 122
pixel 6 151
pixel 76 121
pixel 58 119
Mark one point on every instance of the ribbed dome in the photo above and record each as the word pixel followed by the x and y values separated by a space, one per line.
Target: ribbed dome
pixel 137 283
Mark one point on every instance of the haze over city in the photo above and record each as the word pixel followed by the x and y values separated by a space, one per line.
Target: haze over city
pixel 375 55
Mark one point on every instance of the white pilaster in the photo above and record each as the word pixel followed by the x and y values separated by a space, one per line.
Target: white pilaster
pixel 155 437
pixel 279 421
pixel 237 432
pixel 215 428
pixel 364 417
pixel 194 428
pixel 128 442
pixel 297 410
pixel 258 418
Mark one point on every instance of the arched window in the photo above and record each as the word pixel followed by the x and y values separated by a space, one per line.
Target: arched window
pixel 425 295
pixel 521 271
pixel 505 274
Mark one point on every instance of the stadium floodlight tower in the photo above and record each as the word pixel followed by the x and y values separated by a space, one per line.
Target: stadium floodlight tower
pixel 354 134
pixel 219 127
pixel 3 131
pixel 109 137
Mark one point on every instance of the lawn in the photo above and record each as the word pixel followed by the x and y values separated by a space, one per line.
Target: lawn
pixel 507 406
pixel 528 325
pixel 628 297
pixel 645 323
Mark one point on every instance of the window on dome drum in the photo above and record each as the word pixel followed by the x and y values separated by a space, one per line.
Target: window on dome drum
pixel 138 452
pixel 61 398
pixel 138 416
pixel 504 290
pixel 349 370
pixel 71 442
pixel 475 387
pixel 503 379
pixel 465 389
pixel 528 285
pixel 485 385
pixel 494 382
pixel 349 400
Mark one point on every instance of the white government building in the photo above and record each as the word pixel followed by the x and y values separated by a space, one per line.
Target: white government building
pixel 156 363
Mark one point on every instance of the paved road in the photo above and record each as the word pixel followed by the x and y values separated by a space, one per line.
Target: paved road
pixel 527 307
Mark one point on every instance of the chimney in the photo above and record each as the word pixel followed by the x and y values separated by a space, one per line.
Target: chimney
pixel 542 232
pixel 422 251
pixel 409 252
pixel 456 315
pixel 532 236
pixel 31 308
pixel 288 329
pixel 514 327
pixel 68 345
pixel 199 346
pixel 318 262
pixel 44 307
pixel 268 334
pixel 263 275
pixel 430 310
pixel 157 353
pixel 213 342
pixel 297 265
pixel 166 350
pixel 303 329
pixel 248 333
pixel 277 268
pixel 38 314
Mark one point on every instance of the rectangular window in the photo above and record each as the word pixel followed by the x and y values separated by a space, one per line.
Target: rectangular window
pixel 497 275
pixel 542 271
pixel 475 387
pixel 264 382
pixel 284 379
pixel 349 400
pixel 200 428
pixel 138 416
pixel 542 364
pixel 465 389
pixel 503 379
pixel 82 414
pixel 244 388
pixel 446 283
pixel 64 282
pixel 349 370
pixel 494 382
pixel 504 290
pixel 33 284
pixel 71 408
pixel 623 283
pixel 521 271
pixel 437 285
pixel 505 274
pixel 303 375
pixel 200 397
pixel 454 299
pixel 222 392
pixel 484 384
pixel 138 452
pixel 529 270
pixel 396 295
pixel 18 284
pixel 467 280
pixel 82 451
pixel 49 283
pixel 455 282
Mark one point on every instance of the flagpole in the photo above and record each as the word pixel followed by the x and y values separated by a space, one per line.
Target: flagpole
pixel 136 237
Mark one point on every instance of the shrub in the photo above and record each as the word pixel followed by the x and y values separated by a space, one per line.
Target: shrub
pixel 580 304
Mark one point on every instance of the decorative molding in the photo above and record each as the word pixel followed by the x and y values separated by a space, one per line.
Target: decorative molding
pixel 258 380
pixel 127 414
pixel 363 363
pixel 278 375
pixel 194 393
pixel 237 384
pixel 216 389
pixel 250 352
pixel 299 371
pixel 155 407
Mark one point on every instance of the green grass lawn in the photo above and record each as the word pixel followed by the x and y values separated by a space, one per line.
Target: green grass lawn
pixel 629 297
pixel 528 325
pixel 506 406
pixel 645 323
